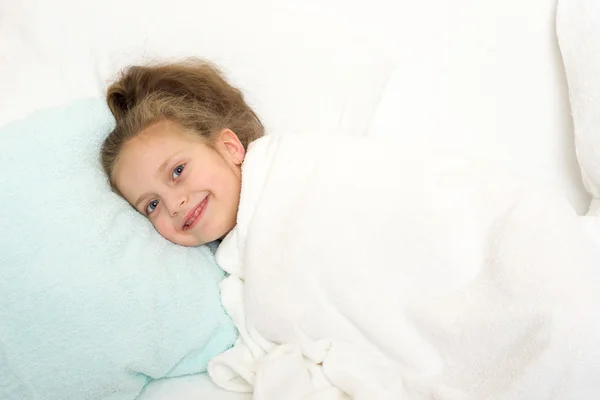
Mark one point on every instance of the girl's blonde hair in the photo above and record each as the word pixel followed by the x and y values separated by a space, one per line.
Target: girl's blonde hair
pixel 193 94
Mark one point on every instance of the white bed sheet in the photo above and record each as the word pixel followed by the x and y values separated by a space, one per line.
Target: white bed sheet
pixel 482 78
pixel 193 387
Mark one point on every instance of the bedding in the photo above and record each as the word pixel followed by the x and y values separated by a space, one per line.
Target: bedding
pixel 481 78
pixel 191 387
pixel 579 38
pixel 55 53
pixel 357 273
pixel 95 304
pixel 63 50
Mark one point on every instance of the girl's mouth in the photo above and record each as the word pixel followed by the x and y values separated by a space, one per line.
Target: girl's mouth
pixel 195 215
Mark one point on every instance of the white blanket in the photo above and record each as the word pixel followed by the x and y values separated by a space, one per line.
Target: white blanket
pixel 355 274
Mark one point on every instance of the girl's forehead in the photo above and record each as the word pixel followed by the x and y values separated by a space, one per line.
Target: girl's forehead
pixel 157 139
pixel 163 131
pixel 144 151
pixel 155 144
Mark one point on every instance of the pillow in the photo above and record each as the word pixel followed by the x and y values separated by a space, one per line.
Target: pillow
pixel 300 72
pixel 95 303
pixel 578 30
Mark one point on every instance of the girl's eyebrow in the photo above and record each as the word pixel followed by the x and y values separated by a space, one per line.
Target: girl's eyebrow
pixel 163 166
pixel 139 200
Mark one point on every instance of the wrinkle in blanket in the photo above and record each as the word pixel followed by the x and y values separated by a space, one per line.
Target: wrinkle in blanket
pixel 361 275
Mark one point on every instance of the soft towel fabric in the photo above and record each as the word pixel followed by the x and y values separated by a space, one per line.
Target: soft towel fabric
pixel 578 29
pixel 357 273
pixel 56 51
pixel 94 303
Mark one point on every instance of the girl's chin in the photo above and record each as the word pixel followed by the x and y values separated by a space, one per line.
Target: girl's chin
pixel 195 241
pixel 187 241
pixel 192 241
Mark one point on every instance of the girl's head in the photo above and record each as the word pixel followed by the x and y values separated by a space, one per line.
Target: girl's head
pixel 176 152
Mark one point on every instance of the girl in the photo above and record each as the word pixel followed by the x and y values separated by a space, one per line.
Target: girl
pixel 176 153
pixel 354 272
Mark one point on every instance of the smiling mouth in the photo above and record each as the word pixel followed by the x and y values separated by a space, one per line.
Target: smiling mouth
pixel 195 215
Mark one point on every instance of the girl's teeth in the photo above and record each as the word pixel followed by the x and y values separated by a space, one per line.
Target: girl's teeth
pixel 191 221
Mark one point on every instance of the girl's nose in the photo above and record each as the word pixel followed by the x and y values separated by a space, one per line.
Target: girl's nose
pixel 176 204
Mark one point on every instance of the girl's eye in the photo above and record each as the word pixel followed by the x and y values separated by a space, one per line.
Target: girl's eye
pixel 151 207
pixel 177 171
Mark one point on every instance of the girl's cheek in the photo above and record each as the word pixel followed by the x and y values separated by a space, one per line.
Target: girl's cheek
pixel 162 227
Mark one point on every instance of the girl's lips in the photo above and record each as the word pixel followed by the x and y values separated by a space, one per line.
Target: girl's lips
pixel 195 215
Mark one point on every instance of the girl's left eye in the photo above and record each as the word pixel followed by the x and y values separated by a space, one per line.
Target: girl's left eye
pixel 151 207
pixel 177 171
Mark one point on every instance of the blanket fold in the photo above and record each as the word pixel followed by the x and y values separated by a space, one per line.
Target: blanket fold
pixel 355 274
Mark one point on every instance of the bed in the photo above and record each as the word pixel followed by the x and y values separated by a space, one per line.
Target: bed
pixel 465 77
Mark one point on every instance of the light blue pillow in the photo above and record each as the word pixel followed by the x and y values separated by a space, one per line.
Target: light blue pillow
pixel 93 302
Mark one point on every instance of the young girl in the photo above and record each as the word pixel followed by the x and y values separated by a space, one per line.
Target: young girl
pixel 176 153
pixel 354 272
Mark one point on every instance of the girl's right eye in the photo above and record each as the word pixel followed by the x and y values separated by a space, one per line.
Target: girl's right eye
pixel 177 171
pixel 151 207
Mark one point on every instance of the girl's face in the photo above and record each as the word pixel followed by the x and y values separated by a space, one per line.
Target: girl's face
pixel 189 189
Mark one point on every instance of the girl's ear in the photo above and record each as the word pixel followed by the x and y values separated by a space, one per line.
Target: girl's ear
pixel 230 147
